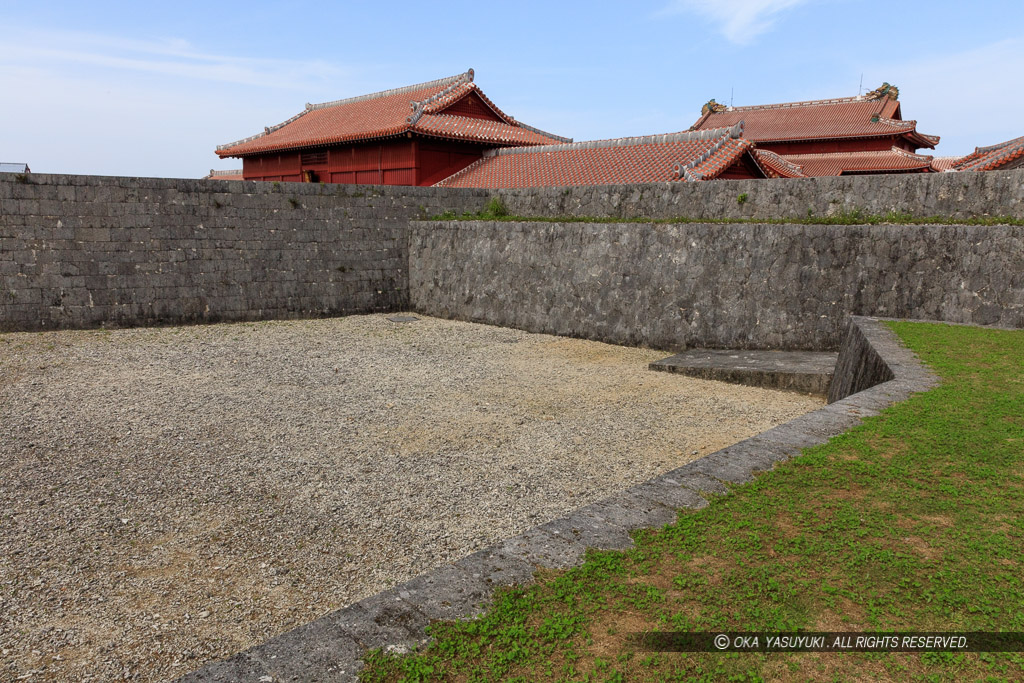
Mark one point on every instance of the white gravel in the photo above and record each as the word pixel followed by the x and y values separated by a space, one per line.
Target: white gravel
pixel 172 496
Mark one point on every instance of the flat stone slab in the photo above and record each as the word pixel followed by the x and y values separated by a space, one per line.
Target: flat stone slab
pixel 402 318
pixel 808 372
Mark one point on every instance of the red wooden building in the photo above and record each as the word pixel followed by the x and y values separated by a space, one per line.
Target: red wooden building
pixel 416 135
pixel 843 136
pixel 721 153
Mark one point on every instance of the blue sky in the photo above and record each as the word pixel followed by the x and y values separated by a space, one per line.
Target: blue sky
pixel 151 88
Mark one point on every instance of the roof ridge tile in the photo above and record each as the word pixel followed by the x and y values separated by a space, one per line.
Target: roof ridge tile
pixel 419 108
pixel 686 170
pixel 777 162
pixel 999 145
pixel 988 158
pixel 897 123
pixel 458 78
pixel 734 131
pixel 885 91
pixel 802 103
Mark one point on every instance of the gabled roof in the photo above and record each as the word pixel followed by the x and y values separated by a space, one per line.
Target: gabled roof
pixel 416 108
pixel 1005 154
pixel 688 156
pixel 6 167
pixel 876 114
pixel 894 160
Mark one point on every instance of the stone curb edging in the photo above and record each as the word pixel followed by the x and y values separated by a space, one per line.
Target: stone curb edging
pixel 874 371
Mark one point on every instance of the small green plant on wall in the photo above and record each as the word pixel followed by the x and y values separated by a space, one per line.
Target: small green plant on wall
pixel 496 208
pixel 742 199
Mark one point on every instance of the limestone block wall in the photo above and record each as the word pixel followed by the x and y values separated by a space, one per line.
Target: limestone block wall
pixel 750 286
pixel 957 195
pixel 81 251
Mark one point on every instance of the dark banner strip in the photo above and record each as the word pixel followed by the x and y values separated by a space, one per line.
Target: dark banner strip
pixel 766 641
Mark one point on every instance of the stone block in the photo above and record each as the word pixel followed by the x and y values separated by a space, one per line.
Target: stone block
pixel 497 570
pixel 541 549
pixel 383 620
pixel 446 593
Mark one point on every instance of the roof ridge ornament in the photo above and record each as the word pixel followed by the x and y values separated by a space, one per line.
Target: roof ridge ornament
pixel 883 91
pixel 712 107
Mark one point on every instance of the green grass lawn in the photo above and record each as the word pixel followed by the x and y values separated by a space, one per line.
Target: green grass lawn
pixel 912 521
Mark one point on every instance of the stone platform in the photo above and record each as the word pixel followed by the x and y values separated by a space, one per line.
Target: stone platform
pixel 808 372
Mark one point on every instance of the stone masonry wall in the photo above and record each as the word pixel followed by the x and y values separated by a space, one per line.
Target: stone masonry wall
pixel 750 286
pixel 81 251
pixel 958 195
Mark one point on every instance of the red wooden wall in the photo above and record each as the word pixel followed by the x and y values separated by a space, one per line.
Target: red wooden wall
pixel 820 146
pixel 439 159
pixel 471 106
pixel 743 169
pixel 402 161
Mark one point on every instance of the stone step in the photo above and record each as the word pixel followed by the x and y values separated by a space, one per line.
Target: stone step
pixel 808 372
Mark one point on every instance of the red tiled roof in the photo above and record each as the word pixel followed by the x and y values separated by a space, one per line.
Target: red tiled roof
pixel 480 130
pixel 872 115
pixel 689 156
pixel 776 166
pixel 993 157
pixel 940 164
pixel 415 108
pixel 232 174
pixel 893 160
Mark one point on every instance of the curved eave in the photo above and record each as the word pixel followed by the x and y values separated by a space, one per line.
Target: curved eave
pixel 830 138
pixel 922 140
pixel 385 136
pixel 774 166
pixel 480 140
pixel 925 168
pixel 315 144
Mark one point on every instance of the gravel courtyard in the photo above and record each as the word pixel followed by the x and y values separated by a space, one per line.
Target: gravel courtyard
pixel 170 496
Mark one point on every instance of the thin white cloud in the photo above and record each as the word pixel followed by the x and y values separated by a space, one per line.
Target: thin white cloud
pixel 93 103
pixel 966 96
pixel 165 57
pixel 740 21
